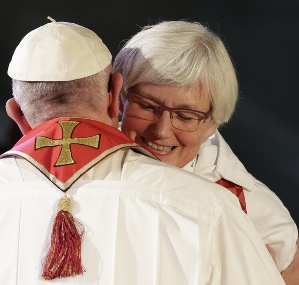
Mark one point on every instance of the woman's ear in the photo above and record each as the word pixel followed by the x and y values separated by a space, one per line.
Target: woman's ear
pixel 116 82
pixel 14 112
pixel 212 129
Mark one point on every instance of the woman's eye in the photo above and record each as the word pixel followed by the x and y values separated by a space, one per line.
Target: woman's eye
pixel 147 106
pixel 184 116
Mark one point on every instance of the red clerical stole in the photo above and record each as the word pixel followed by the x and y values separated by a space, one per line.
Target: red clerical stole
pixel 236 189
pixel 63 149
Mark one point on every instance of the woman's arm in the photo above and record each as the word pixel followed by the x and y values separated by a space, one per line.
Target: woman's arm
pixel 291 273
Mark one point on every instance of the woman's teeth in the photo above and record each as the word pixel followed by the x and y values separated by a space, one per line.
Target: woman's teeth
pixel 159 147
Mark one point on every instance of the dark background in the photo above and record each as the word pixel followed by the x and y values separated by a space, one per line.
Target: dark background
pixel 262 37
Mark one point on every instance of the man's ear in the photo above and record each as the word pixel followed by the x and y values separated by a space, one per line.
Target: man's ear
pixel 116 83
pixel 14 112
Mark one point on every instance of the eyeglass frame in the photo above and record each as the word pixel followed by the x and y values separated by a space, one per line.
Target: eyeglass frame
pixel 163 108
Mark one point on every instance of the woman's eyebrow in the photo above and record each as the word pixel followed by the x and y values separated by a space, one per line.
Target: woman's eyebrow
pixel 183 105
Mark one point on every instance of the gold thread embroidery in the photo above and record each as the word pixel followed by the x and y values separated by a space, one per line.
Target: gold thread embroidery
pixel 65 156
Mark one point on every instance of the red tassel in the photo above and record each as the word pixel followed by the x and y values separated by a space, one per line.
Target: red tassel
pixel 64 256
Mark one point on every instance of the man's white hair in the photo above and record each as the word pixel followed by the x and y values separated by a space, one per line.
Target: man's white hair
pixel 42 101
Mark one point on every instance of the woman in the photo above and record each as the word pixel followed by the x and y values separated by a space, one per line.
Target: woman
pixel 179 87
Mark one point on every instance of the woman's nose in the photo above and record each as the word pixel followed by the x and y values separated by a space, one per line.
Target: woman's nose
pixel 162 126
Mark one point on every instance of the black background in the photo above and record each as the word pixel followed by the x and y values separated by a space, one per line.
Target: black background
pixel 262 37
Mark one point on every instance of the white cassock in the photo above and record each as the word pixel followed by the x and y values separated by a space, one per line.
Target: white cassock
pixel 146 223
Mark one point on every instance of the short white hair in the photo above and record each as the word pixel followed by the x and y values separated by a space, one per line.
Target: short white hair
pixel 181 53
pixel 45 100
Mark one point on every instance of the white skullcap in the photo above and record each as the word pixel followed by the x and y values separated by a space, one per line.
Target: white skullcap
pixel 59 51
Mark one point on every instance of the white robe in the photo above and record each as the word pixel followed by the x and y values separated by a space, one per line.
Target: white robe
pixel 268 214
pixel 146 223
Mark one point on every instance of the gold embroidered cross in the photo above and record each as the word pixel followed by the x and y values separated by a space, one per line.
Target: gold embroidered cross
pixel 65 156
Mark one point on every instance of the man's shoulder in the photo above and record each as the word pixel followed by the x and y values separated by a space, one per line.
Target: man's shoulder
pixel 7 164
pixel 179 186
pixel 9 171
